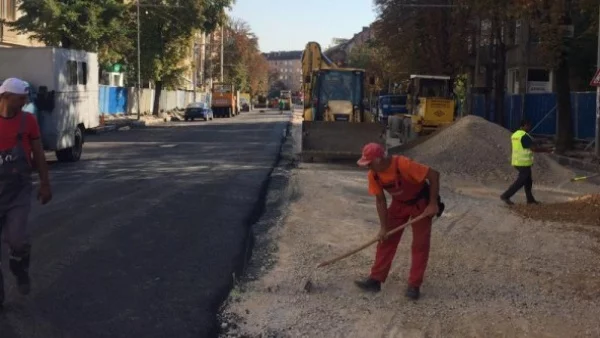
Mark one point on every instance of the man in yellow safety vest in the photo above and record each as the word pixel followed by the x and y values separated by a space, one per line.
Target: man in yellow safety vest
pixel 522 159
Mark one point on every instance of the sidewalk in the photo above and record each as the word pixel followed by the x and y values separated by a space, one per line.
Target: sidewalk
pixel 491 273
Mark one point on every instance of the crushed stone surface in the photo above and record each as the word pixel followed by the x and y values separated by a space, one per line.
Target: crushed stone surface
pixel 480 150
pixel 492 273
pixel 582 210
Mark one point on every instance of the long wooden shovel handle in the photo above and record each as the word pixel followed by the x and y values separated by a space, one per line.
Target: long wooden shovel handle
pixel 369 243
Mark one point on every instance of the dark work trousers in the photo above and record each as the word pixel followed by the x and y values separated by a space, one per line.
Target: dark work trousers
pixel 524 180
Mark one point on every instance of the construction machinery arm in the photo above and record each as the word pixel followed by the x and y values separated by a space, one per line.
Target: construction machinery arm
pixel 313 60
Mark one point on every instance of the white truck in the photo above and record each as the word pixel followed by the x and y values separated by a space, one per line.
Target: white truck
pixel 64 93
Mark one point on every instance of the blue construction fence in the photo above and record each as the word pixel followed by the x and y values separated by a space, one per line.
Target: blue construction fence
pixel 122 100
pixel 541 109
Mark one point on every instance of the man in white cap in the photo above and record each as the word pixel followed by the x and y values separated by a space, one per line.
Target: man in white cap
pixel 20 151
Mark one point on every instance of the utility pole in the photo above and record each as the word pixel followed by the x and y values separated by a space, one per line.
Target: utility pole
pixel 195 70
pixel 139 63
pixel 598 96
pixel 202 57
pixel 222 49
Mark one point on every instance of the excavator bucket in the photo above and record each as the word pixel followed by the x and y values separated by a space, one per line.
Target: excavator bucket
pixel 328 141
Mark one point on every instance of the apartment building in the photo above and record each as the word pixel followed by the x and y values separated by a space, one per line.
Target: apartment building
pixel 8 37
pixel 340 52
pixel 288 65
pixel 525 70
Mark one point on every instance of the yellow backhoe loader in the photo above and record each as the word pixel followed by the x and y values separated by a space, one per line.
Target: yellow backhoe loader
pixel 336 124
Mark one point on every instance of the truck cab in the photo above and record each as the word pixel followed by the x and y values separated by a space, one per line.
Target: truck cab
pixel 63 94
pixel 224 100
pixel 389 105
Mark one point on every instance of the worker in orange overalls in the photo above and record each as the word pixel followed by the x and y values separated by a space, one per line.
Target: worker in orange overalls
pixel 414 188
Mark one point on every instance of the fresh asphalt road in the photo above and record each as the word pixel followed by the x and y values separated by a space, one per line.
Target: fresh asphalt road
pixel 144 233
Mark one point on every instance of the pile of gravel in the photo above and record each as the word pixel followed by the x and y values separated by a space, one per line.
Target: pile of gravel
pixel 481 150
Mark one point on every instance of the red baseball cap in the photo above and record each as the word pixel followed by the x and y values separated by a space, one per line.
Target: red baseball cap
pixel 371 152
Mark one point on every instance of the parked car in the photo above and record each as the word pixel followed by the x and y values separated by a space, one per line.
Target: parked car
pixel 198 110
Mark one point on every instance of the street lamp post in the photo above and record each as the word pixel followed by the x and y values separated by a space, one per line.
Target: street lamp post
pixel 222 49
pixel 195 71
pixel 139 63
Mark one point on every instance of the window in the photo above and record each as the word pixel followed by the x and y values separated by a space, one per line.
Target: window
pixel 82 73
pixel 538 75
pixel 8 9
pixel 518 32
pixel 72 73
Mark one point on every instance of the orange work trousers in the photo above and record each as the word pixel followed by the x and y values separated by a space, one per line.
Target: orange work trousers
pixel 399 214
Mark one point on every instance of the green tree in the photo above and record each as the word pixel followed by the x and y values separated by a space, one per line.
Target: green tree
pixel 167 30
pixel 245 66
pixel 549 20
pixel 89 25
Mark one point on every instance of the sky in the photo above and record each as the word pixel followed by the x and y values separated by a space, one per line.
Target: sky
pixel 289 25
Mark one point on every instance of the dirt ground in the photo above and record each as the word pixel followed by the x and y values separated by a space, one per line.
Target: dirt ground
pixel 581 210
pixel 491 272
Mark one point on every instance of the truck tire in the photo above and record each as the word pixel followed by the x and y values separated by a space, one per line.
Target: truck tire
pixel 72 154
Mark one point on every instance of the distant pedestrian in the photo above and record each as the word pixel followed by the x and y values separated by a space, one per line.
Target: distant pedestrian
pixel 522 159
pixel 414 188
pixel 20 148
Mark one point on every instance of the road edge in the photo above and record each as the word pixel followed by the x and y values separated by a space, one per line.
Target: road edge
pixel 266 213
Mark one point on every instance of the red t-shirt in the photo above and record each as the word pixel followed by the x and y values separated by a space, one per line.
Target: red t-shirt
pixel 9 128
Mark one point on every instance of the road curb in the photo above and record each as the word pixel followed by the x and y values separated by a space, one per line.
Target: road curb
pixel 576 163
pixel 253 220
pixel 103 129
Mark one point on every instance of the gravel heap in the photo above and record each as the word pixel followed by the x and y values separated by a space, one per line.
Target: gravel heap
pixel 480 149
pixel 583 210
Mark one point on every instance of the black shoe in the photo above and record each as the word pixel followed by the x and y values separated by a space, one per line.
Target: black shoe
pixel 507 201
pixel 369 284
pixel 19 266
pixel 534 202
pixel 413 293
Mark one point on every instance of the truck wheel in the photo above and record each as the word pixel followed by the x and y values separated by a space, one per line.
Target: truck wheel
pixel 72 154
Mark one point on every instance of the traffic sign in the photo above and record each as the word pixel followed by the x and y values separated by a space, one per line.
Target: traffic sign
pixel 596 80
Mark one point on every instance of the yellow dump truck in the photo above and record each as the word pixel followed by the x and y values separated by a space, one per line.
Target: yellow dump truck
pixel 224 100
pixel 336 124
pixel 430 105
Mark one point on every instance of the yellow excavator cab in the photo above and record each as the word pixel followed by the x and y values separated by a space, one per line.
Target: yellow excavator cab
pixel 336 122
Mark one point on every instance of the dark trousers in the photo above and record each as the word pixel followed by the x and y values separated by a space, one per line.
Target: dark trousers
pixel 524 180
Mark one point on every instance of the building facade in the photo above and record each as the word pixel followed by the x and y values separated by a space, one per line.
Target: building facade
pixel 339 53
pixel 9 38
pixel 525 71
pixel 288 66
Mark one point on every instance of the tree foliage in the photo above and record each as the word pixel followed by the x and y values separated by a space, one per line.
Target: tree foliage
pixel 437 40
pixel 245 66
pixel 91 25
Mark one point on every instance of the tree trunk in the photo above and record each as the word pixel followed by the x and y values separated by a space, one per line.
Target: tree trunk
pixel 157 92
pixel 564 132
pixel 489 73
pixel 499 92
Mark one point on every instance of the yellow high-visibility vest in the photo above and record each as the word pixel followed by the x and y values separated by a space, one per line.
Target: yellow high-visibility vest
pixel 521 157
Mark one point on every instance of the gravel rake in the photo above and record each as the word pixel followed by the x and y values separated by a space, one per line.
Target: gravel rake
pixel 308 284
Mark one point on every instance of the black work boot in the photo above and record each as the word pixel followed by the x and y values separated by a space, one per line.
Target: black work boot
pixel 413 292
pixel 507 200
pixel 369 284
pixel 19 266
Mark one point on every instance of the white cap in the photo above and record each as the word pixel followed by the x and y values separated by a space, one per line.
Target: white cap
pixel 14 86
